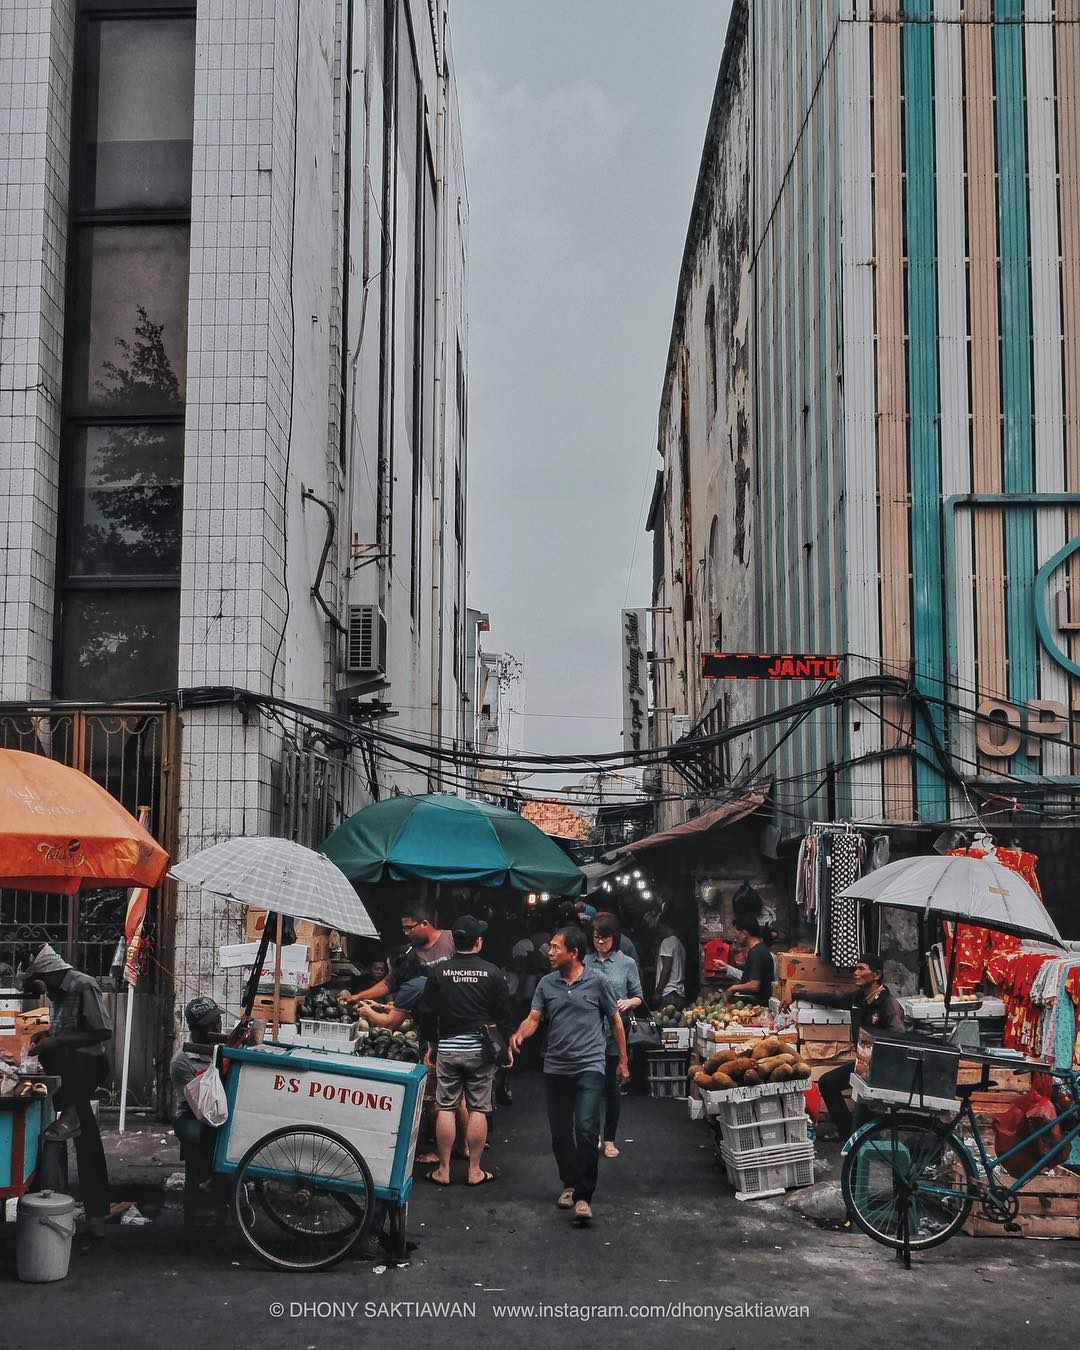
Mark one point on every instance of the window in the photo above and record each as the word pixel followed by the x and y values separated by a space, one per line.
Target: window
pixel 710 351
pixel 125 350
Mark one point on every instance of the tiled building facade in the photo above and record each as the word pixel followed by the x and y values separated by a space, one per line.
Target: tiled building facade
pixel 233 391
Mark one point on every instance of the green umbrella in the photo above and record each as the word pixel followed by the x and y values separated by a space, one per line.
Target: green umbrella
pixel 444 838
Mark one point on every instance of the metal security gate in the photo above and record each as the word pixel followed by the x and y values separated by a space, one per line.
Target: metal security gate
pixel 133 753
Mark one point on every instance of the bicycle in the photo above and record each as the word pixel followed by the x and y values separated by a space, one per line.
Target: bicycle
pixel 909 1180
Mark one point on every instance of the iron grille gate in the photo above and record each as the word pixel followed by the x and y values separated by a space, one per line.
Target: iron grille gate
pixel 132 753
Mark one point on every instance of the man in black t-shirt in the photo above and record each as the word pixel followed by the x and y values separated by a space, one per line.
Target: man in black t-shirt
pixel 755 981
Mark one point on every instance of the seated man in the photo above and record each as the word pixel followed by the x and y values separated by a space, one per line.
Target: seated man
pixel 203 1017
pixel 873 1006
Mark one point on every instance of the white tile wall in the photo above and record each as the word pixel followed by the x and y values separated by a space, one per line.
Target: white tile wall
pixel 35 114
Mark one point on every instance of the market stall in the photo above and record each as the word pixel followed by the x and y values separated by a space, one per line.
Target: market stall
pixel 316 1134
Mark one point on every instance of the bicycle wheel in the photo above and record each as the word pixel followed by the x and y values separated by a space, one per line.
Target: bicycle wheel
pixel 303 1198
pixel 907 1171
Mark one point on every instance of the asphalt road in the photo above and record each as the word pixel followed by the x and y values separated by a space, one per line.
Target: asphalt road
pixel 669 1237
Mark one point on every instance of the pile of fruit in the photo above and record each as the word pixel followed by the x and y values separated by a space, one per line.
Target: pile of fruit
pixel 381 1043
pixel 670 1016
pixel 769 1060
pixel 323 1005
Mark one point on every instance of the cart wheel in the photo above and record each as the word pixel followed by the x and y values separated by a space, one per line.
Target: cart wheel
pixel 399 1222
pixel 908 1182
pixel 304 1198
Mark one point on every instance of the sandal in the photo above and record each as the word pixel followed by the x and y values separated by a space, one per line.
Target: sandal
pixel 488 1176
pixel 430 1176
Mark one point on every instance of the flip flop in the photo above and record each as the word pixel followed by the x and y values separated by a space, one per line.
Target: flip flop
pixel 430 1176
pixel 488 1176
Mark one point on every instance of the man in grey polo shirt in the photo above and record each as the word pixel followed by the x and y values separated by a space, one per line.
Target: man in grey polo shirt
pixel 577 1006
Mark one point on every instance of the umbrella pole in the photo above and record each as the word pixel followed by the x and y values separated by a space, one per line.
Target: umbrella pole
pixel 952 973
pixel 256 972
pixel 276 1023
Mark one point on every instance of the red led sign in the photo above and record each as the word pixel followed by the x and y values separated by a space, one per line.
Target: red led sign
pixel 769 666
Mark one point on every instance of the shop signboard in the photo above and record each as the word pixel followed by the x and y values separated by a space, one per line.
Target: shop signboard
pixel 635 701
pixel 769 666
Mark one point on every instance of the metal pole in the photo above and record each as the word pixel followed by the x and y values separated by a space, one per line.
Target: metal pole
pixel 276 1020
pixel 129 1013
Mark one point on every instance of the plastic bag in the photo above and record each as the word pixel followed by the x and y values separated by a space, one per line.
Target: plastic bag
pixel 205 1094
pixel 1029 1114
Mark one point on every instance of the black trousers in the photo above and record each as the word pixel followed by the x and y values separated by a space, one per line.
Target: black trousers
pixel 831 1086
pixel 612 1098
pixel 81 1076
pixel 574 1104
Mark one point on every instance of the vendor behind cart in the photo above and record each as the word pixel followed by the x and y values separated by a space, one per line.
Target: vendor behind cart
pixel 74 1047
pixel 873 1006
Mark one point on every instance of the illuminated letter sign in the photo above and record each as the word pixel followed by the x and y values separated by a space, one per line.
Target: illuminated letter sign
pixel 769 666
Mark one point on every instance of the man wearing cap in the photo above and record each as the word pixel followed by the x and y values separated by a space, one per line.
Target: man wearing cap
pixel 75 1048
pixel 203 1017
pixel 470 1004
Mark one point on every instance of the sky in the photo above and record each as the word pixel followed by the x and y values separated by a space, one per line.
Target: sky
pixel 583 123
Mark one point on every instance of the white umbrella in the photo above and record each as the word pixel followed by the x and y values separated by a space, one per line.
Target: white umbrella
pixel 964 890
pixel 280 875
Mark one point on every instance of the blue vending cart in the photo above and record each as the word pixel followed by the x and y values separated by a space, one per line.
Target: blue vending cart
pixel 318 1143
pixel 21 1122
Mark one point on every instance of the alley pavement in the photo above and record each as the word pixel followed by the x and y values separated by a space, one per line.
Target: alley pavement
pixel 669 1245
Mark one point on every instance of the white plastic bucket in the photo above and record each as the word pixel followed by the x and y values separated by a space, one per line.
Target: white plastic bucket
pixel 44 1226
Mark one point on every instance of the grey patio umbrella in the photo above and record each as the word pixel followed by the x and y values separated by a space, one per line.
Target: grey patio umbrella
pixel 977 891
pixel 277 874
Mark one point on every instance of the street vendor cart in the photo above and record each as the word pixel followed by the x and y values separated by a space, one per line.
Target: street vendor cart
pixel 314 1140
pixel 22 1120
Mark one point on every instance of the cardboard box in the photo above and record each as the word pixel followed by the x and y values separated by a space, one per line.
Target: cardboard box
pixel 306 932
pixel 318 945
pixel 264 1007
pixel 827 1031
pixel 1030 1226
pixel 808 990
pixel 808 969
pixel 318 973
pixel 828 1052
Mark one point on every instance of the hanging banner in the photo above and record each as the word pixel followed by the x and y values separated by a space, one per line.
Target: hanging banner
pixel 634 678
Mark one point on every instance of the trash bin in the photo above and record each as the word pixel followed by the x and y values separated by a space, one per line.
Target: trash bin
pixel 45 1224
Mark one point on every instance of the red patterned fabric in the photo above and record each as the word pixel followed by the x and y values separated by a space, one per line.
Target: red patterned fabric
pixel 1014 974
pixel 976 947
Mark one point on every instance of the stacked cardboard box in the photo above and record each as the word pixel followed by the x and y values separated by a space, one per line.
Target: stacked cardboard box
pixel 311 935
pixel 17 1028
pixel 811 974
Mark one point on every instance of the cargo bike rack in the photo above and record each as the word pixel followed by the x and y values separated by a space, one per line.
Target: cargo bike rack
pixel 910 1180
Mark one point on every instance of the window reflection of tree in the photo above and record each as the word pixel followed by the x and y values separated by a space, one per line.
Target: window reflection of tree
pixel 137 472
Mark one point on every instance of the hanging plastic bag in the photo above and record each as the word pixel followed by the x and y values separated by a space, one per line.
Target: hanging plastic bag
pixel 205 1094
pixel 1028 1114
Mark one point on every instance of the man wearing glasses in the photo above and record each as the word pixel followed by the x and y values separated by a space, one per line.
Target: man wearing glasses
pixel 429 945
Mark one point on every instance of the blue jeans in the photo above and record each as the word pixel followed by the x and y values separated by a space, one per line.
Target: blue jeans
pixel 575 1104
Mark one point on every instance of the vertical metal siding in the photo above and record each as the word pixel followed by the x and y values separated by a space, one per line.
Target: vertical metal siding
pixel 984 357
pixel 927 616
pixel 1015 314
pixel 862 613
pixel 953 359
pixel 891 401
pixel 1067 63
pixel 1046 325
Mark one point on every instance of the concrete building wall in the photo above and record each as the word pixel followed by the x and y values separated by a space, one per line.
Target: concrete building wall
pixel 915 329
pixel 703 512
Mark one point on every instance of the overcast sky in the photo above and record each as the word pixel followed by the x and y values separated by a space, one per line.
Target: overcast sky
pixel 583 124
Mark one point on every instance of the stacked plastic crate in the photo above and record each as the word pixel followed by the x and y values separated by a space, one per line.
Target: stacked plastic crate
pixel 763 1140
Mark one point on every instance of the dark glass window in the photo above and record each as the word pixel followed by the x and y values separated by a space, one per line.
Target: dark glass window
pixel 137 114
pixel 125 351
pixel 125 485
pixel 128 340
pixel 119 643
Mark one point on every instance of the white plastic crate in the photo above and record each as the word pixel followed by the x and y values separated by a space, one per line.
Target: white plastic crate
pixel 716 1098
pixel 743 1139
pixel 675 1038
pixel 788 1105
pixel 331 1034
pixel 766 1171
pixel 813 1014
pixel 696 1108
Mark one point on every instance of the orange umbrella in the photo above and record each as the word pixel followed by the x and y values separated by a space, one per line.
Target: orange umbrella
pixel 61 832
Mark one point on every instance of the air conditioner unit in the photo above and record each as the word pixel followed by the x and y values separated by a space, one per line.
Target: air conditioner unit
pixel 366 641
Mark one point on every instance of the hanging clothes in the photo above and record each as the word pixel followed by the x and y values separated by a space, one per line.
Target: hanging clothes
pixel 976 946
pixel 845 939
